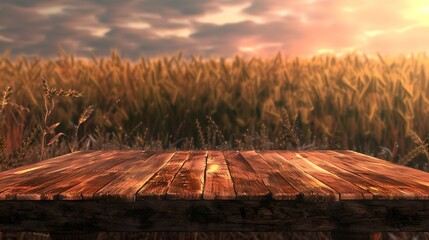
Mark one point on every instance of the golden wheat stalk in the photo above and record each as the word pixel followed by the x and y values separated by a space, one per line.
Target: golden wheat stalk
pixel 413 153
pixel 49 105
pixel 83 118
pixel 5 100
pixel 290 130
pixel 20 153
pixel 201 139
pixel 4 160
pixel 217 130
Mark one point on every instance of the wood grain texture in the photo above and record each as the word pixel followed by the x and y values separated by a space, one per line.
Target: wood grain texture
pixel 218 182
pixel 50 185
pixel 29 186
pixel 347 190
pixel 375 191
pixel 247 184
pixel 157 186
pixel 411 189
pixel 310 188
pixel 279 187
pixel 13 176
pixel 318 160
pixel 125 187
pixel 189 180
pixel 192 175
pixel 381 187
pixel 401 171
pixel 84 185
pixel 49 162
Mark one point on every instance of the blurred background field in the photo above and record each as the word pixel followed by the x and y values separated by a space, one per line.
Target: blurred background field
pixel 375 105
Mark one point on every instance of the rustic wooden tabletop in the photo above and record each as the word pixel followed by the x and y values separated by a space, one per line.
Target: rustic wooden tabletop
pixel 209 175
pixel 215 191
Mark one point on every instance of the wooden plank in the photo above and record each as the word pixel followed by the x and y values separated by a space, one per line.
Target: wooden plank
pixel 218 182
pixel 47 162
pixel 51 174
pixel 51 184
pixel 376 191
pixel 310 188
pixel 13 176
pixel 416 175
pixel 279 187
pixel 347 190
pixel 385 176
pixel 247 184
pixel 188 183
pixel 84 185
pixel 157 186
pixel 354 179
pixel 125 187
pixel 378 188
pixel 48 186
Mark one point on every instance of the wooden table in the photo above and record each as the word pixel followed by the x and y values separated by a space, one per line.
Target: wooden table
pixel 343 192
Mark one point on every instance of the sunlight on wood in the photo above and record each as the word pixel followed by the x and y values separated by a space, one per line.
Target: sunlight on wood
pixel 213 168
pixel 28 170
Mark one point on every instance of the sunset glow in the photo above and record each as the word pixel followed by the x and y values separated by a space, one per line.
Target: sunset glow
pixel 223 28
pixel 418 11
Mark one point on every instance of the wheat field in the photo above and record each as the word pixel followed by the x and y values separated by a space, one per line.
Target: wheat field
pixel 376 105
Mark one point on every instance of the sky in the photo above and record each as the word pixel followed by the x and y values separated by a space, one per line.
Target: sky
pixel 213 27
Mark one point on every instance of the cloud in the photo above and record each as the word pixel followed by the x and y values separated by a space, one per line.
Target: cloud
pixel 25 3
pixel 210 27
pixel 188 8
pixel 394 42
pixel 228 37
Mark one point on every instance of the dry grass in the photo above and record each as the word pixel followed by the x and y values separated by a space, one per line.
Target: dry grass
pixel 375 101
pixel 49 98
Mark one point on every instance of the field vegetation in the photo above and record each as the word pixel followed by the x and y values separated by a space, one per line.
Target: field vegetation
pixel 374 105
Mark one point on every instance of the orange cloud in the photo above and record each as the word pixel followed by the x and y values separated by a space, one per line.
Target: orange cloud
pixel 212 27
